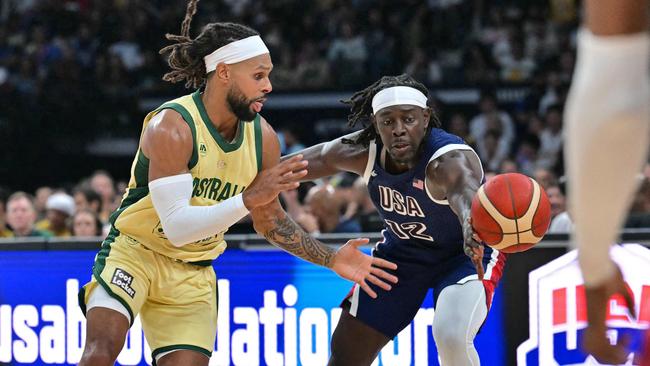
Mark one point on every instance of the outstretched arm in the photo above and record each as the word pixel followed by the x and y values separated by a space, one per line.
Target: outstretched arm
pixel 272 222
pixel 329 158
pixel 456 175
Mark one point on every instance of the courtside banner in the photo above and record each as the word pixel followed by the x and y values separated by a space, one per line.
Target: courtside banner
pixel 274 309
pixel 558 317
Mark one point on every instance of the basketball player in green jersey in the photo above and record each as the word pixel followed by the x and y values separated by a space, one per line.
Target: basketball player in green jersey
pixel 205 161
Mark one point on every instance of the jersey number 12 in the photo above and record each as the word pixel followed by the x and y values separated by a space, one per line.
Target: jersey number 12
pixel 408 230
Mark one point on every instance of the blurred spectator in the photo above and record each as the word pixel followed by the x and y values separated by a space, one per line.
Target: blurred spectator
pixel 544 177
pixel 527 154
pixel 86 198
pixel 289 142
pixel 365 213
pixel 295 209
pixel 59 209
pixel 557 199
pixel 128 50
pixel 21 216
pixel 321 203
pixel 102 183
pixel 478 66
pixel 553 93
pixel 508 166
pixel 42 194
pixel 516 66
pixel 551 137
pixel 561 220
pixel 423 68
pixel 120 189
pixel 312 71
pixel 347 55
pixel 535 126
pixel 488 150
pixel 86 223
pixel 459 127
pixel 493 118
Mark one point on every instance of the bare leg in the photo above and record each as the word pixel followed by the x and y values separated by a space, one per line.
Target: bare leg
pixel 607 120
pixel 105 335
pixel 611 17
pixel 354 343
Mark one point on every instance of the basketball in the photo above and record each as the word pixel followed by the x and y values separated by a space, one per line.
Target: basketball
pixel 511 212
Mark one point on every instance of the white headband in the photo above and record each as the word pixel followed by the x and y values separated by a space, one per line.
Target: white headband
pixel 236 51
pixel 398 95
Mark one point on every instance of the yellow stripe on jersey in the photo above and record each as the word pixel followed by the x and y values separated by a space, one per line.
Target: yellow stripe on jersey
pixel 220 170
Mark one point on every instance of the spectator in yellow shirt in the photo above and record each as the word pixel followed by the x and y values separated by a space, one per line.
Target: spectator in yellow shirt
pixel 59 208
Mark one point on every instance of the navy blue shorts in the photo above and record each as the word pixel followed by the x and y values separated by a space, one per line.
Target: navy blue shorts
pixel 419 269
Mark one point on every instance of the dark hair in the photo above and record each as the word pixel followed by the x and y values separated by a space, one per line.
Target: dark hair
pixel 90 195
pixel 361 106
pixel 186 54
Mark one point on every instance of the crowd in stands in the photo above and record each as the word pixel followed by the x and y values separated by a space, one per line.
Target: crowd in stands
pixel 82 211
pixel 102 56
pixel 340 204
pixel 64 63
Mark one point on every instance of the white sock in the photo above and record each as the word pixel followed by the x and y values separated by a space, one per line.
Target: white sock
pixel 607 126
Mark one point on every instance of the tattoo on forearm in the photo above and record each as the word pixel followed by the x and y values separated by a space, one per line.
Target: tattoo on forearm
pixel 287 235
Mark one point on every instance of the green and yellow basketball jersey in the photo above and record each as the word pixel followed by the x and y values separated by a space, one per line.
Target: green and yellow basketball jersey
pixel 220 170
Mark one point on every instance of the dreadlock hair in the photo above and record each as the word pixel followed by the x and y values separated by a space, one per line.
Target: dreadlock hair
pixel 186 54
pixel 361 106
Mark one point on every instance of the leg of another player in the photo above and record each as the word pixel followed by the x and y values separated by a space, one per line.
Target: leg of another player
pixel 354 343
pixel 184 357
pixel 460 311
pixel 616 17
pixel 607 121
pixel 105 335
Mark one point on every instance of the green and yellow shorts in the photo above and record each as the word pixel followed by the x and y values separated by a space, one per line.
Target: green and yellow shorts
pixel 176 301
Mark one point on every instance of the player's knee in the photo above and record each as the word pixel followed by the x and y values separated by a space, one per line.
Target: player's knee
pixel 100 352
pixel 451 339
pixel 97 356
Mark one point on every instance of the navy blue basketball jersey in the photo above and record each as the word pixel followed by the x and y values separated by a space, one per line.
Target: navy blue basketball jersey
pixel 411 215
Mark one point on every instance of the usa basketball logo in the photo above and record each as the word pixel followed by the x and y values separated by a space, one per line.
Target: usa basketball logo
pixel 558 316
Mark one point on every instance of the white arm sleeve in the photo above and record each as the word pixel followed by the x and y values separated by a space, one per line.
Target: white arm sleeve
pixel 183 223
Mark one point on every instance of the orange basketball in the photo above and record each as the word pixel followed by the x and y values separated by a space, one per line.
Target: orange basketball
pixel 511 212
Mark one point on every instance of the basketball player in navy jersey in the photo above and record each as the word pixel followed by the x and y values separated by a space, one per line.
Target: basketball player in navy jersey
pixel 422 180
pixel 607 126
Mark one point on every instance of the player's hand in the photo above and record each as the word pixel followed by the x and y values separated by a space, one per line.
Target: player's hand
pixel 595 341
pixel 268 183
pixel 354 265
pixel 472 246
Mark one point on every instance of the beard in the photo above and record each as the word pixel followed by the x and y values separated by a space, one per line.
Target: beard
pixel 240 105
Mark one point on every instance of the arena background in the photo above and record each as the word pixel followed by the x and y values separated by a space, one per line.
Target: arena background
pixel 78 76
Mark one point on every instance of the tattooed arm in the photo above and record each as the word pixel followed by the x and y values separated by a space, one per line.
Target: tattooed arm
pixel 272 222
pixel 279 229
